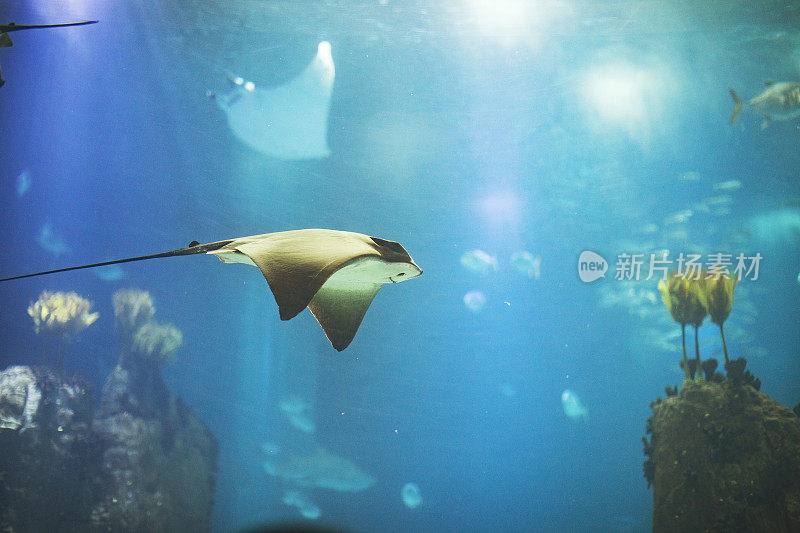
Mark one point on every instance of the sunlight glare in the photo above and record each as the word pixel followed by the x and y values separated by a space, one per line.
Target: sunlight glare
pixel 627 97
pixel 512 22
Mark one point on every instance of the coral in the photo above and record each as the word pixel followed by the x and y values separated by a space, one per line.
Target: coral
pixel 19 398
pixel 709 367
pixel 133 309
pixel 738 375
pixel 797 409
pixel 689 367
pixel 61 313
pixel 671 391
pixel 158 341
pixel 649 464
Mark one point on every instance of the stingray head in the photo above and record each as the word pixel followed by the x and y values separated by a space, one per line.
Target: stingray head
pixel 394 263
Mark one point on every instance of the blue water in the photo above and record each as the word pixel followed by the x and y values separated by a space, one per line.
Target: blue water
pixel 564 128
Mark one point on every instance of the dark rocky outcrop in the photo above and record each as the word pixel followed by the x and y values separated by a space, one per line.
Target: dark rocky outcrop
pixel 143 462
pixel 159 460
pixel 723 457
pixel 48 453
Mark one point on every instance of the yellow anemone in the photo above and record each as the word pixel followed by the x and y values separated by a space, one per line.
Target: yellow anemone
pixel 686 302
pixel 684 299
pixel 719 301
pixel 719 297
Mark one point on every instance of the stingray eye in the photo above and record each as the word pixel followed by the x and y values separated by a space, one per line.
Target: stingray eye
pixel 394 246
pixel 401 274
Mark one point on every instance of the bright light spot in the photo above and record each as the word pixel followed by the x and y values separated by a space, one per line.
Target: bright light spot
pixel 513 22
pixel 501 207
pixel 617 93
pixel 250 86
pixel 324 56
pixel 631 98
pixel 500 16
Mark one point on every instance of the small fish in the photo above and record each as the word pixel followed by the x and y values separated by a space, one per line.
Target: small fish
pixel 649 228
pixel 525 263
pixel 508 390
pixel 731 185
pixel 110 273
pixel 479 262
pixel 722 199
pixel 51 242
pixel 691 175
pixel 573 407
pixel 412 497
pixel 678 218
pixel 307 508
pixel 23 183
pixel 779 101
pixel 475 301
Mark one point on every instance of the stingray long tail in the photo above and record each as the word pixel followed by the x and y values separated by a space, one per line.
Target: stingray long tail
pixel 15 27
pixel 737 106
pixel 193 248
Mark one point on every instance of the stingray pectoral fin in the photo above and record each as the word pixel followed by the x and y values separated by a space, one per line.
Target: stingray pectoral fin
pixel 340 310
pixel 297 263
pixel 292 277
pixel 293 282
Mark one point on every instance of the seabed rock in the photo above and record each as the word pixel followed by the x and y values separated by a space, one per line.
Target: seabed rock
pixel 723 457
pixel 144 462
pixel 48 453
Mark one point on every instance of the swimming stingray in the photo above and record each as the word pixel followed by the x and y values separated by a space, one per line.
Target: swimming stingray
pixel 336 274
pixel 290 121
pixel 5 40
pixel 779 101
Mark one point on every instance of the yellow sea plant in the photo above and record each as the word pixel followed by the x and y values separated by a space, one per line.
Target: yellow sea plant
pixel 59 316
pixel 685 301
pixel 158 342
pixel 62 313
pixel 133 309
pixel 718 291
